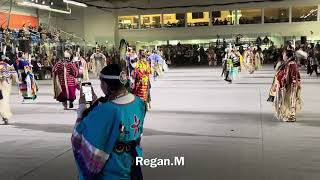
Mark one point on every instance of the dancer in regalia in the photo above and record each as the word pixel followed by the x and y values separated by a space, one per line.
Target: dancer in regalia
pixel 249 61
pixel 285 91
pixel 258 57
pixel 226 66
pixel 7 75
pixel 82 65
pixel 98 61
pixel 28 86
pixel 141 86
pixel 212 57
pixel 155 61
pixel 65 84
pixel 236 63
pixel 231 64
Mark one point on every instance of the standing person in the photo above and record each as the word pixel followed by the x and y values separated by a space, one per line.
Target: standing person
pixel 249 61
pixel 65 73
pixel 27 86
pixel 212 57
pixel 313 62
pixel 310 57
pixel 82 66
pixel 202 55
pixel 156 64
pixel 106 137
pixel 7 74
pixel 227 66
pixel 257 59
pixel 236 63
pixel 47 64
pixel 285 91
pixel 142 85
pixel 98 61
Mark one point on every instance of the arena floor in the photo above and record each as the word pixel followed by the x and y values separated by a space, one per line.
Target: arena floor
pixel 223 131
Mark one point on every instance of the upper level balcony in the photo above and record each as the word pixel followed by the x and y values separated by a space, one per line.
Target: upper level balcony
pixel 283 21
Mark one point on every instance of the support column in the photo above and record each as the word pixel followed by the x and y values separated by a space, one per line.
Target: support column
pixel 116 31
pixel 185 19
pixel 162 24
pixel 290 14
pixel 139 21
pixel 49 19
pixel 10 10
pixel 38 16
pixel 262 15
pixel 318 19
pixel 210 18
pixel 236 21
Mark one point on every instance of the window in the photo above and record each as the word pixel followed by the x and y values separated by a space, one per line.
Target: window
pixel 223 18
pixel 174 20
pixel 276 15
pixel 305 13
pixel 151 21
pixel 128 22
pixel 249 16
pixel 198 19
pixel 197 15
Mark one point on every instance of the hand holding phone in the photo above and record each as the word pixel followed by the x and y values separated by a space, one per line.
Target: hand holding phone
pixel 87 92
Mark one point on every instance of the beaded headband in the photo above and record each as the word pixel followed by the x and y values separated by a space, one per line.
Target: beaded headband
pixel 123 78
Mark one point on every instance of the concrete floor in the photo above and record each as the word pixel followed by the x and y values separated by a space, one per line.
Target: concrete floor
pixel 224 131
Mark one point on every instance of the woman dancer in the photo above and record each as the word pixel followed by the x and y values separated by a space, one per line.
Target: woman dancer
pixel 286 88
pixel 65 73
pixel 7 75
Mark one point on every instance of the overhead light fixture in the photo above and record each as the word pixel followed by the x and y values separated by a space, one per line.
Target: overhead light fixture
pixel 43 7
pixel 75 3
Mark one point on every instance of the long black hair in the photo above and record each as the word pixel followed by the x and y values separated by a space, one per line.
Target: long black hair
pixel 289 52
pixel 113 85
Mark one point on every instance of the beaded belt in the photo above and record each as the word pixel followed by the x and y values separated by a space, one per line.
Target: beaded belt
pixel 121 147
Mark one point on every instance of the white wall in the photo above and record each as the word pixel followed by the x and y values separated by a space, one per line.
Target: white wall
pixel 72 23
pixel 18 9
pixel 99 26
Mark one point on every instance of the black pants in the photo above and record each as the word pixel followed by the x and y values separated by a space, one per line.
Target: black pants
pixel 314 68
pixel 309 68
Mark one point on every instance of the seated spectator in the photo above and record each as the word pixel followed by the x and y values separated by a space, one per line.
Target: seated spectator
pixel 225 22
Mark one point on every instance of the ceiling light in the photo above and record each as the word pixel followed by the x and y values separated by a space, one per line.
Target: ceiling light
pixel 43 2
pixel 44 7
pixel 75 3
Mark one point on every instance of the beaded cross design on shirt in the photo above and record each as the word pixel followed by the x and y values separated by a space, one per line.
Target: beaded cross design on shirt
pixel 135 126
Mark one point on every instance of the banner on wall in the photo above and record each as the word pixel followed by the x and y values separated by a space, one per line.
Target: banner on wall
pixel 17 21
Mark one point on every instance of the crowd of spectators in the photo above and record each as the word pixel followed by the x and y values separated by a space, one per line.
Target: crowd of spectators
pixel 217 21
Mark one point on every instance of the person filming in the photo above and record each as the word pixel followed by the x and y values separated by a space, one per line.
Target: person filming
pixel 106 137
